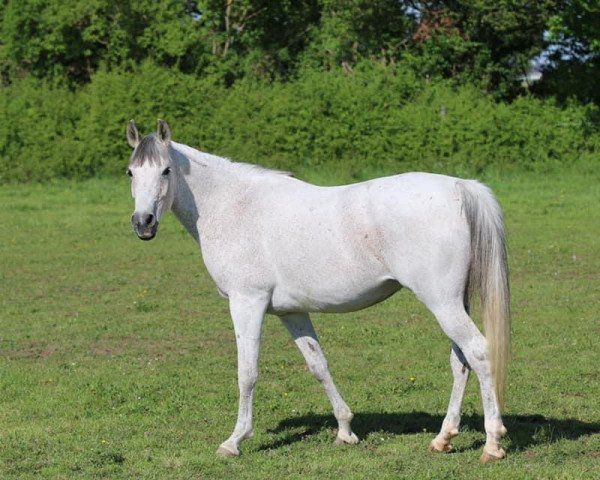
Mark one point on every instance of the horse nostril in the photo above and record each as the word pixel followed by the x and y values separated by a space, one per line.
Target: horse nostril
pixel 143 220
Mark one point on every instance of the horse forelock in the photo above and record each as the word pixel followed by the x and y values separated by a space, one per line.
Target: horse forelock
pixel 150 150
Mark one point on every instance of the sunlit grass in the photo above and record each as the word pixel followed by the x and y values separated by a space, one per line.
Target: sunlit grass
pixel 117 357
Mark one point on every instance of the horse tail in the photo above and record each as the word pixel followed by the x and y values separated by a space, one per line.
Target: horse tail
pixel 488 274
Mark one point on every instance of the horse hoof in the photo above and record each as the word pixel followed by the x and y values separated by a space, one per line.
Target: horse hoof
pixel 226 450
pixel 487 457
pixel 435 447
pixel 344 438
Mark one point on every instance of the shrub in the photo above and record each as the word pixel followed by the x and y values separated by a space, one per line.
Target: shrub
pixel 37 132
pixel 376 119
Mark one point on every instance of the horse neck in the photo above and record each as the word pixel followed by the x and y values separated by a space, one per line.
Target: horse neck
pixel 204 182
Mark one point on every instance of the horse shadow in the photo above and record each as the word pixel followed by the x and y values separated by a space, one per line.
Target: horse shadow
pixel 525 431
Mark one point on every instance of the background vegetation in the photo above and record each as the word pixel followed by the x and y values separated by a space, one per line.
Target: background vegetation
pixel 349 86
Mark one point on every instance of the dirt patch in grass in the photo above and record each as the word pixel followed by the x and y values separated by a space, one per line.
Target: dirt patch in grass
pixel 31 350
pixel 155 347
pixel 530 455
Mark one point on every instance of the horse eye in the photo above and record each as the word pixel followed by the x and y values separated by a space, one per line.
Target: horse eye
pixel 166 171
pixel 129 172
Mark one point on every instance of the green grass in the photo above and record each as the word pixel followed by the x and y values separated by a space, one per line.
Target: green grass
pixel 117 357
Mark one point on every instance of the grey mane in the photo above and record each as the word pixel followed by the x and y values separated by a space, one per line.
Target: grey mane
pixel 152 150
pixel 258 169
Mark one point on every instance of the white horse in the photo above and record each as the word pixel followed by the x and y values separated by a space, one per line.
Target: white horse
pixel 275 244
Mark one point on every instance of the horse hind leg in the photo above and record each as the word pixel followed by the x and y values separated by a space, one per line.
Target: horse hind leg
pixel 305 337
pixel 451 424
pixel 457 324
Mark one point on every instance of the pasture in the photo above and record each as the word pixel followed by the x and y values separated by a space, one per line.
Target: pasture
pixel 117 357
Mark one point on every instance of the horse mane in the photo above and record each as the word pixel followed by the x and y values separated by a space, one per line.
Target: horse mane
pixel 151 150
pixel 260 170
pixel 208 159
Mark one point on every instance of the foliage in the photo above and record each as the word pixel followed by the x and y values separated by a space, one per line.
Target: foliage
pixel 379 119
pixel 50 40
pixel 569 79
pixel 259 38
pixel 332 84
pixel 352 30
pixel 118 356
pixel 573 64
pixel 483 40
pixel 376 118
pixel 38 132
pixel 576 28
pixel 47 40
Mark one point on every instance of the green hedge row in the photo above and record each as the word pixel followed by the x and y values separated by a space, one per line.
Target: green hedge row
pixel 373 120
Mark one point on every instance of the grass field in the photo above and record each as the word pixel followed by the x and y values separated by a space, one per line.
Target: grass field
pixel 117 357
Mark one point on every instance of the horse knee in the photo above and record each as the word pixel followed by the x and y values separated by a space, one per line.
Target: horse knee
pixel 247 379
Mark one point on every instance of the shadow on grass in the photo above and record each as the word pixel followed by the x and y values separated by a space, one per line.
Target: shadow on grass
pixel 525 431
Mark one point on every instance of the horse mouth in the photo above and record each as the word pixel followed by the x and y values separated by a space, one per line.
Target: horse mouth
pixel 147 233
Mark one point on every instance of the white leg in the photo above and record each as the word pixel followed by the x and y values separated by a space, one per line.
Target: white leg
pixel 247 313
pixel 451 424
pixel 303 333
pixel 462 331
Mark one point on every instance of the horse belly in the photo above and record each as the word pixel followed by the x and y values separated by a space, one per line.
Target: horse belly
pixel 333 298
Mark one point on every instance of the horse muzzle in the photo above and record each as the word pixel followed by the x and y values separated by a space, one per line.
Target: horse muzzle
pixel 144 225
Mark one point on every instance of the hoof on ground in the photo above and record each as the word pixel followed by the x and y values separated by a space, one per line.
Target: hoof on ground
pixel 439 447
pixel 487 457
pixel 345 439
pixel 226 450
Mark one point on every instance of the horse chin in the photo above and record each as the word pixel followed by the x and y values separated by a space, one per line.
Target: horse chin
pixel 148 233
pixel 147 237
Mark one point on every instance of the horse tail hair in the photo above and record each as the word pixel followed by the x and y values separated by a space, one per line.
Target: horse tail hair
pixel 488 274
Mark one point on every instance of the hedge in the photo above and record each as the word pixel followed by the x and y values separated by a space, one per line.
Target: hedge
pixel 375 119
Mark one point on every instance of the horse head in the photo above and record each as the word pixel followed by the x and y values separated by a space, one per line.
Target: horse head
pixel 152 173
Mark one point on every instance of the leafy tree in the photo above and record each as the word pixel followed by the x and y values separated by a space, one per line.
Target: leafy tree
pixel 352 30
pixel 575 29
pixel 573 64
pixel 71 40
pixel 257 37
pixel 486 42
pixel 490 42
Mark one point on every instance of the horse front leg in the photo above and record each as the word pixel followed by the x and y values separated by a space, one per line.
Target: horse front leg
pixel 303 333
pixel 247 313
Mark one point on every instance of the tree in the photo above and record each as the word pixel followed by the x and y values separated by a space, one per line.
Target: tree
pixel 572 68
pixel 257 37
pixel 487 42
pixel 48 39
pixel 490 42
pixel 352 30
pixel 575 30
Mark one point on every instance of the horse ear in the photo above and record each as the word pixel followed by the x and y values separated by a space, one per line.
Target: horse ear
pixel 133 136
pixel 163 131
